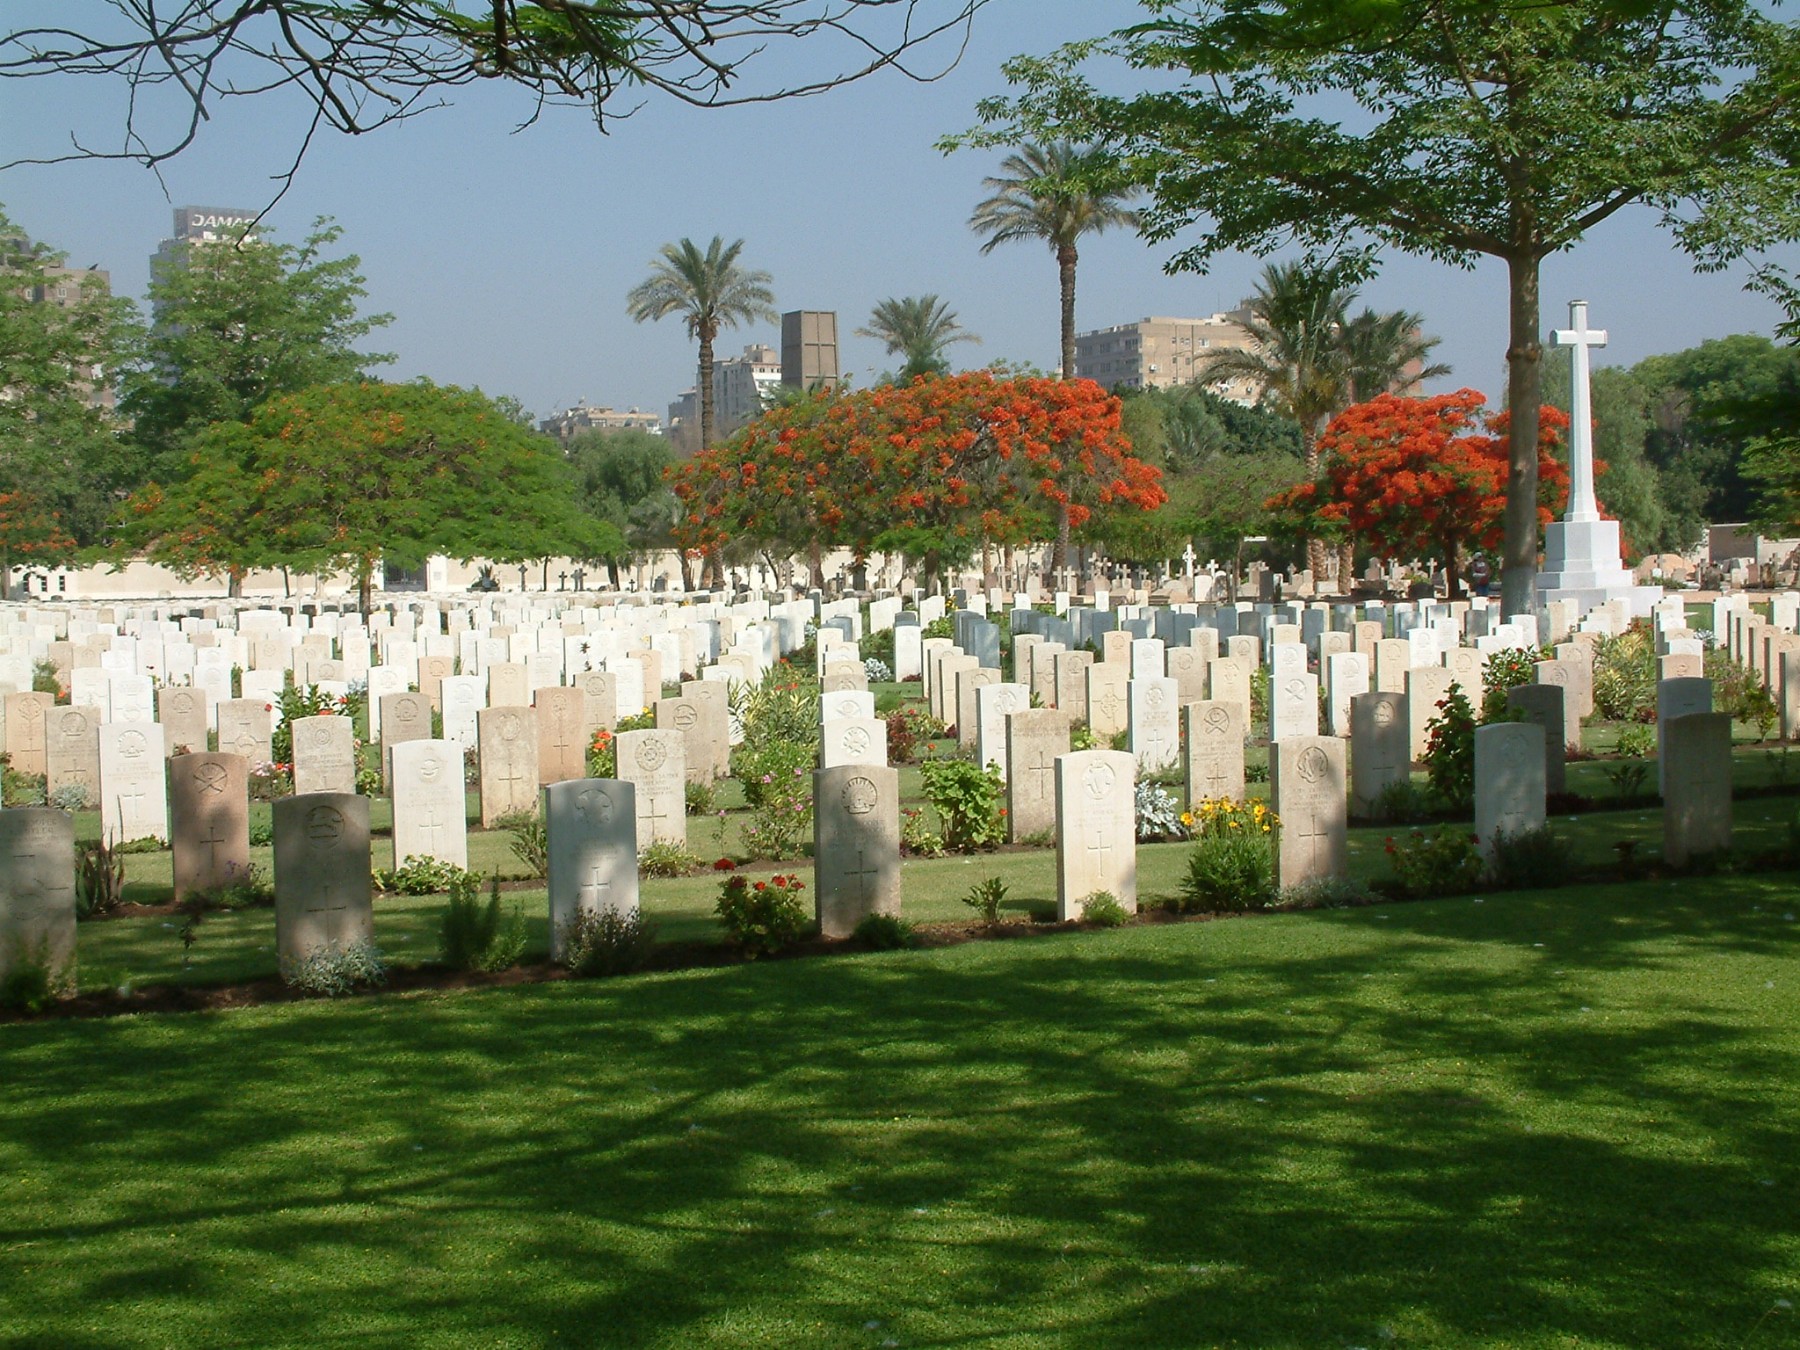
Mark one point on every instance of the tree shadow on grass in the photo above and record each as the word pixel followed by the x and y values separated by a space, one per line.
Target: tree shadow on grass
pixel 1304 1132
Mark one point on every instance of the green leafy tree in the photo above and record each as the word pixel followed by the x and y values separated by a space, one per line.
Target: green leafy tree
pixel 1456 129
pixel 343 477
pixel 623 482
pixel 710 291
pixel 61 331
pixel 1310 359
pixel 237 321
pixel 917 328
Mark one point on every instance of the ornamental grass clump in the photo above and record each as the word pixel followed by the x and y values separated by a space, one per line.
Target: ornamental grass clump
pixel 477 936
pixel 1232 865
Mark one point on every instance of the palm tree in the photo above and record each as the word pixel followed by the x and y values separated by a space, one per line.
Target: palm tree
pixel 1055 192
pixel 1312 360
pixel 711 292
pixel 918 328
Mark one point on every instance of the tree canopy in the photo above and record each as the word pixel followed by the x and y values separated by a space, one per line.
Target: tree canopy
pixel 237 321
pixel 918 328
pixel 929 469
pixel 61 333
pixel 1422 477
pixel 1474 129
pixel 341 477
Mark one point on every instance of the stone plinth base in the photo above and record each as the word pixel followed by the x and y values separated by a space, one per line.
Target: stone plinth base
pixel 1582 564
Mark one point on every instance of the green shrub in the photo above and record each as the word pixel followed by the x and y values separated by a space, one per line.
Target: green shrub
pixel 602 756
pixel 1507 670
pixel 1636 740
pixel 307 702
pixel 938 628
pixel 1445 861
pixel 1737 691
pixel 419 876
pixel 698 798
pixel 1232 865
pixel 477 936
pixel 1625 676
pixel 1081 737
pixel 666 858
pixel 1158 817
pixel 984 897
pixel 784 708
pixel 1404 801
pixel 777 783
pixel 32 985
pixel 606 942
pixel 262 831
pixel 1450 751
pixel 1103 910
pixel 764 917
pixel 967 797
pixel 1326 893
pixel 331 972
pixel 70 797
pixel 885 932
pixel 1530 860
pixel 908 729
pixel 917 837
pixel 19 789
pixel 530 840
pixel 1259 697
pixel 99 881
pixel 43 678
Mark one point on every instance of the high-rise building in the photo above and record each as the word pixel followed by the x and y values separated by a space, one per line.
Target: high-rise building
pixel 1158 353
pixel 741 386
pixel 809 349
pixel 198 225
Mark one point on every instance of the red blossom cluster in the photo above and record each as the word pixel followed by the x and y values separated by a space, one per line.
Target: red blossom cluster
pixel 963 456
pixel 1423 477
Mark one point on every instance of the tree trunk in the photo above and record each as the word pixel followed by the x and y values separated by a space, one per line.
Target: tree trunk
pixel 1065 267
pixel 365 582
pixel 234 583
pixel 706 333
pixel 1346 566
pixel 5 576
pixel 1524 393
pixel 1315 548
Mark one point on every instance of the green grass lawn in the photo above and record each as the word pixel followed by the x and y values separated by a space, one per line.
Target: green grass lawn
pixel 1549 1119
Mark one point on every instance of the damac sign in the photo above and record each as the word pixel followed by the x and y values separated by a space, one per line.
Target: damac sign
pixel 201 222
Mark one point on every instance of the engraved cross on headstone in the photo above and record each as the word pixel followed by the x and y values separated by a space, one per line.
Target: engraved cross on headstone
pixel 1042 769
pixel 1316 838
pixel 333 913
pixel 862 872
pixel 593 890
pixel 1100 844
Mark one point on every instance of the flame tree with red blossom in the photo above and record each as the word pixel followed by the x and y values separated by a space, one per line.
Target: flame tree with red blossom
pixel 929 469
pixel 1423 477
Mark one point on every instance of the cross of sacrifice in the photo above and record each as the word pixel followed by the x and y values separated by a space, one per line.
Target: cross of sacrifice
pixel 1579 337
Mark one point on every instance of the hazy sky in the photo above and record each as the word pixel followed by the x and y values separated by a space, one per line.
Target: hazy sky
pixel 505 258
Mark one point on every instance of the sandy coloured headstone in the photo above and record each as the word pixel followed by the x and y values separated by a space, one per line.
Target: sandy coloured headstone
pixel 1576 680
pixel 1187 667
pixel 655 762
pixel 970 681
pixel 324 754
pixel 1108 700
pixel 430 809
pixel 1070 677
pixel 713 699
pixel 853 740
pixel 592 837
pixel 1393 658
pixel 599 703
pixel 247 728
pixel 322 875
pixel 508 685
pixel 1544 704
pixel 1696 786
pixel 508 739
pixel 994 703
pixel 1214 730
pixel 133 801
pixel 404 717
pixel 26 714
pixel 1153 728
pixel 460 698
pixel 687 719
pixel 37 891
pixel 433 671
pixel 856 846
pixel 1380 748
pixel 1509 781
pixel 1306 783
pixel 72 751
pixel 1034 738
pixel 1426 688
pixel 1228 681
pixel 561 721
pixel 1348 677
pixel 209 822
pixel 1096 830
pixel 846 703
pixel 185 719
pixel 1293 706
pixel 1677 698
